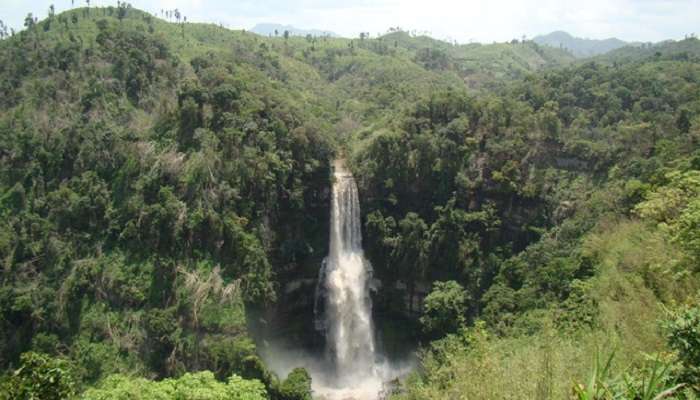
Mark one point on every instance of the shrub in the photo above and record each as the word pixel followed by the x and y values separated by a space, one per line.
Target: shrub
pixel 297 386
pixel 683 335
pixel 444 308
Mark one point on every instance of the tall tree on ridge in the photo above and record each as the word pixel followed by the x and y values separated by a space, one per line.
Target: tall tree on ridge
pixel 29 21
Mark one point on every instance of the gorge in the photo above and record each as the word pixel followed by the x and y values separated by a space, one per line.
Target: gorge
pixel 498 216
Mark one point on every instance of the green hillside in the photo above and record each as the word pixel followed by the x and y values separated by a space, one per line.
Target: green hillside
pixel 478 64
pixel 686 49
pixel 533 219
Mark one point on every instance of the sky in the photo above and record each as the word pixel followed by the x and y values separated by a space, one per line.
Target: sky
pixel 464 21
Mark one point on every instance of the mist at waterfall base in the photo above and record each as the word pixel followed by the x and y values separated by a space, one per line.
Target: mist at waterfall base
pixel 351 367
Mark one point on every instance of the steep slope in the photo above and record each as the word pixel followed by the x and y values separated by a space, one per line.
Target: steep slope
pixel 153 184
pixel 531 227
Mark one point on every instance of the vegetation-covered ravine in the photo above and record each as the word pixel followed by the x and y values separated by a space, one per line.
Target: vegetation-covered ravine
pixel 532 219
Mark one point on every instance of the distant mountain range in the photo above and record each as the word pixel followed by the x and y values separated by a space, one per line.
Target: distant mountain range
pixel 580 47
pixel 269 30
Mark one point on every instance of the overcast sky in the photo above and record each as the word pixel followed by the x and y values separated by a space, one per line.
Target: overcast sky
pixel 464 21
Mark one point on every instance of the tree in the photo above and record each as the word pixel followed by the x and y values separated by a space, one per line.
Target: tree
pixel 410 252
pixel 297 386
pixel 549 121
pixel 687 229
pixel 41 377
pixel 444 309
pixel 121 11
pixel 224 100
pixel 29 21
pixel 190 102
pixel 683 336
pixel 683 121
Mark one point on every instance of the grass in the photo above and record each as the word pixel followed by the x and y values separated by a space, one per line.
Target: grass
pixel 638 272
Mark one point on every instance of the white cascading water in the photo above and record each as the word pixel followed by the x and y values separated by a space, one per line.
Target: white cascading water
pixel 352 369
pixel 344 290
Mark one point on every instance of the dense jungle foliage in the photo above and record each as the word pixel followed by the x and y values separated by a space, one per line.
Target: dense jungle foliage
pixel 534 221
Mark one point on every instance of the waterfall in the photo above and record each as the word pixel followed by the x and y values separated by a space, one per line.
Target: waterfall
pixel 343 289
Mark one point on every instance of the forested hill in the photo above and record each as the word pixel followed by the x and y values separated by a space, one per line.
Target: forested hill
pixel 578 46
pixel 164 202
